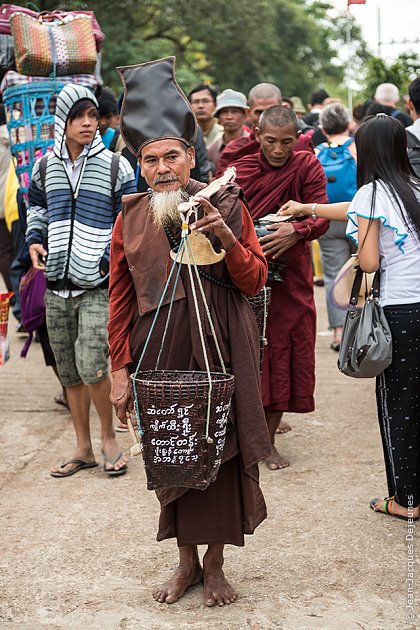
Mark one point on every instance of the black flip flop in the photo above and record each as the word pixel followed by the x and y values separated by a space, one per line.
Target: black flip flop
pixel 81 465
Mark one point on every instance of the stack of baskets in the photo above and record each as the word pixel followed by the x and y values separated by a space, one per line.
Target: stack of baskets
pixel 29 96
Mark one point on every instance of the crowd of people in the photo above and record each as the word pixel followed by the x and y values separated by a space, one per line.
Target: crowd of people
pixel 103 217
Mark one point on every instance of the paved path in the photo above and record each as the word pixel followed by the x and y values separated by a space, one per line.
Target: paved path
pixel 81 552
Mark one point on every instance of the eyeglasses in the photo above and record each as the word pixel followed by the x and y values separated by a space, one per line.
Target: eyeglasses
pixel 205 101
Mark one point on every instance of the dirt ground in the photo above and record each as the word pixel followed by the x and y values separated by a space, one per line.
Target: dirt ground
pixel 81 552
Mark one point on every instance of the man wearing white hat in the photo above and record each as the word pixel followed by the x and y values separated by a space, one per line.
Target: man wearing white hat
pixel 231 110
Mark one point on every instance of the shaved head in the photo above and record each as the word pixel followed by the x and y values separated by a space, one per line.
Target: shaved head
pixel 278 116
pixel 264 91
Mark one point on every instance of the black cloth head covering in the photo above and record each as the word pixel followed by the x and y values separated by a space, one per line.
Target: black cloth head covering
pixel 154 106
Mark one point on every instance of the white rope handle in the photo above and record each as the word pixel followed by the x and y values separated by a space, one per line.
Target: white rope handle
pixel 203 343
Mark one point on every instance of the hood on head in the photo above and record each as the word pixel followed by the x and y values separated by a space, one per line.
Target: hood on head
pixel 68 96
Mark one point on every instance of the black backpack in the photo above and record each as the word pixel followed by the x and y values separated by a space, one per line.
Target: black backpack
pixel 413 150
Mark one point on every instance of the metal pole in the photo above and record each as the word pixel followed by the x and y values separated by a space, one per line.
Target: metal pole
pixel 349 65
pixel 379 30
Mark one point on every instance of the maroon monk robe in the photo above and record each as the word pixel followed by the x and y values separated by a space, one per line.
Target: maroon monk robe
pixel 248 146
pixel 288 380
pixel 233 505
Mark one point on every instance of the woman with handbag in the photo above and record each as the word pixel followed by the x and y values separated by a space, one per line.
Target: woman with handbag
pixel 384 220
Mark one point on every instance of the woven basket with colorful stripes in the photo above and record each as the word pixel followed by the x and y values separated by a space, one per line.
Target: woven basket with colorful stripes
pixel 61 47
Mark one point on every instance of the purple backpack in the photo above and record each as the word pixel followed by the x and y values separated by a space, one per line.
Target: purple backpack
pixel 32 290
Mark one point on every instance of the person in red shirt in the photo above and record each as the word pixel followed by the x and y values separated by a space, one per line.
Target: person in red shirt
pixel 269 178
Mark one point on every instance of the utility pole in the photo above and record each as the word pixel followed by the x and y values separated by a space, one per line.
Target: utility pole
pixel 349 64
pixel 379 31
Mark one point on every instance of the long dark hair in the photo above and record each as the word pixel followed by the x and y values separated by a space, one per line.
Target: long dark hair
pixel 381 144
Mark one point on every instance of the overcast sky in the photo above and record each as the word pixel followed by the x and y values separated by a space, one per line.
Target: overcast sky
pixel 400 19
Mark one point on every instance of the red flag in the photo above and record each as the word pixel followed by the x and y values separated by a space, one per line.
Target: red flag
pixel 349 2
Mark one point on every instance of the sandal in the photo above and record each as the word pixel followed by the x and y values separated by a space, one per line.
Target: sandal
pixel 61 400
pixel 385 509
pixel 335 344
pixel 112 472
pixel 121 428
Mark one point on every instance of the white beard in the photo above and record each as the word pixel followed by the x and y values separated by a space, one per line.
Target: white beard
pixel 165 207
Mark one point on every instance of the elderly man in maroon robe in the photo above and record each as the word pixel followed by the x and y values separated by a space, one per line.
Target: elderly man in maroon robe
pixel 159 127
pixel 269 178
pixel 261 97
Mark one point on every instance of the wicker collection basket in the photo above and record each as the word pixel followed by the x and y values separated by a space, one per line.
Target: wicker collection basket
pixel 173 409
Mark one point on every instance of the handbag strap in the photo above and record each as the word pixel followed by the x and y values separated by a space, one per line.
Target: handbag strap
pixel 355 291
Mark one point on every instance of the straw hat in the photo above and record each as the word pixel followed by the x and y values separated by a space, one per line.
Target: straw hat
pixel 298 106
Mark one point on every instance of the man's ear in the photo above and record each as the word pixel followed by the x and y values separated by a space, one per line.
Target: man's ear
pixel 298 133
pixel 191 156
pixel 141 168
pixel 257 134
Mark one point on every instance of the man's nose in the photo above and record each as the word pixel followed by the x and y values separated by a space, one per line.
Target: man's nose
pixel 162 166
pixel 278 149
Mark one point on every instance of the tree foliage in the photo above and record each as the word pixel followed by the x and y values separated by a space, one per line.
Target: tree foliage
pixel 293 43
pixel 401 72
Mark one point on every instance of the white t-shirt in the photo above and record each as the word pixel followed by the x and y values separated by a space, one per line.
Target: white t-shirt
pixel 399 246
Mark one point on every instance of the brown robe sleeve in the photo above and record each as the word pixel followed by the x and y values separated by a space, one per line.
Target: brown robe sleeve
pixel 122 302
pixel 246 262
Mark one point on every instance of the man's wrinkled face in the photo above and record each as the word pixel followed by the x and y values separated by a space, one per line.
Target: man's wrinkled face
pixel 166 164
pixel 277 143
pixel 203 105
pixel 82 129
pixel 258 106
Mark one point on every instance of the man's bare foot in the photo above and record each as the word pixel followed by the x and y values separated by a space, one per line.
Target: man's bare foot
pixel 185 575
pixel 284 427
pixel 275 461
pixel 217 590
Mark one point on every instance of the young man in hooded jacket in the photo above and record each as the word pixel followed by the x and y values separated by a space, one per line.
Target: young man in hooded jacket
pixel 73 205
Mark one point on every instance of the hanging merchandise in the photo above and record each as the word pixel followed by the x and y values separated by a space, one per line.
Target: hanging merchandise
pixel 51 45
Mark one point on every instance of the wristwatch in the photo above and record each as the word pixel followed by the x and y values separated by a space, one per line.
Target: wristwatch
pixel 313 211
